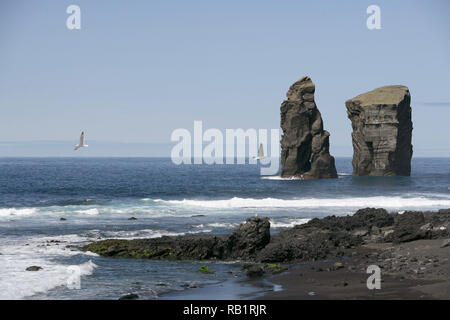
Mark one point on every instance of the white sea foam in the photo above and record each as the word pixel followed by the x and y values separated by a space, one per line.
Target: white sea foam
pixel 16 283
pixel 287 224
pixel 278 223
pixel 222 225
pixel 53 210
pixel 8 212
pixel 140 234
pixel 19 254
pixel 138 210
pixel 357 202
pixel 89 212
pixel 295 178
pixel 279 178
pixel 48 246
pixel 154 211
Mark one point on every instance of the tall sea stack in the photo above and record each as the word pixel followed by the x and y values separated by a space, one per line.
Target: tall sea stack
pixel 382 130
pixel 304 144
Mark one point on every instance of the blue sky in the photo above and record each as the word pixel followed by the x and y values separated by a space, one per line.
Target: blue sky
pixel 137 70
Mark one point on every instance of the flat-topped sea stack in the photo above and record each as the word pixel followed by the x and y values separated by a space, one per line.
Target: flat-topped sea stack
pixel 304 144
pixel 382 130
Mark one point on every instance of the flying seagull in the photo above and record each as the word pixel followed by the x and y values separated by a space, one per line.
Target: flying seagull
pixel 81 144
pixel 260 153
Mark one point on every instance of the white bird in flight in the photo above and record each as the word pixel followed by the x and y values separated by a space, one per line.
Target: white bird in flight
pixel 260 153
pixel 81 143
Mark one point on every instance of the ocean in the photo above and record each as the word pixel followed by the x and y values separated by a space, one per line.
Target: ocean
pixel 97 196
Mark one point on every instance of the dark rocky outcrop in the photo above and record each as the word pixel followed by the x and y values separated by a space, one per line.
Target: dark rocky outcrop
pixel 305 144
pixel 382 130
pixel 445 243
pixel 411 226
pixel 248 238
pixel 130 296
pixel 318 239
pixel 258 270
pixel 244 243
pixel 33 268
pixel 332 236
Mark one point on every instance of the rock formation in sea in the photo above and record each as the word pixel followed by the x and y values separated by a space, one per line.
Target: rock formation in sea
pixel 304 144
pixel 382 130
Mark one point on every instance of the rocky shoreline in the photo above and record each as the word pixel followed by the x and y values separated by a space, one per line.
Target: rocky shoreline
pixel 318 239
pixel 411 248
pixel 246 241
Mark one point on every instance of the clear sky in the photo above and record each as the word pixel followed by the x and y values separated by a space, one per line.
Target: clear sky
pixel 137 70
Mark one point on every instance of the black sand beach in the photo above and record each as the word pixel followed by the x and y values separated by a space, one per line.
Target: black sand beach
pixel 416 270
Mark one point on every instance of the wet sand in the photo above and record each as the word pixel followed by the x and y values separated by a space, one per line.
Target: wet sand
pixel 232 289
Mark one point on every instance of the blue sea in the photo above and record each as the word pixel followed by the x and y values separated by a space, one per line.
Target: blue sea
pixel 97 196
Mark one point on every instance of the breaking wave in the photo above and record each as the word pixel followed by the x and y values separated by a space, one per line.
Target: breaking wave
pixel 7 212
pixel 357 202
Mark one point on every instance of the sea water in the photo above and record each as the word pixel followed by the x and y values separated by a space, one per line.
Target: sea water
pixel 97 196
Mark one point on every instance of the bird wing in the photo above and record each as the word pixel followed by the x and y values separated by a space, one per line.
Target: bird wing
pixel 261 151
pixel 82 138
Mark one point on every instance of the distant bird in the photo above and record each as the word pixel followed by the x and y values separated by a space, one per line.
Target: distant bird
pixel 260 153
pixel 81 143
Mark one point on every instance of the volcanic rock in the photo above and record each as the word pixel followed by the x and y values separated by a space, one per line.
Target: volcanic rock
pixel 329 237
pixel 244 243
pixel 304 144
pixel 33 268
pixel 130 296
pixel 382 130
